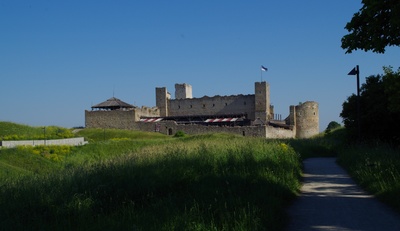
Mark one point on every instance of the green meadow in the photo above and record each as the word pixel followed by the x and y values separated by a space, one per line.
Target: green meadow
pixel 130 180
pixel 148 181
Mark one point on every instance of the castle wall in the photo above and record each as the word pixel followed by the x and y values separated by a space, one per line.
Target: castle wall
pixel 307 119
pixel 217 105
pixel 118 119
pixel 146 112
pixel 170 128
pixel 279 133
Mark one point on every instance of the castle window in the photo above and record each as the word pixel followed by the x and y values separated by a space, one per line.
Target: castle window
pixel 245 103
pixel 191 106
pixel 179 106
pixel 204 106
pixel 213 104
pixel 226 104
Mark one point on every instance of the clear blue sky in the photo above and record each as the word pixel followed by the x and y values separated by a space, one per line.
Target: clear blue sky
pixel 58 58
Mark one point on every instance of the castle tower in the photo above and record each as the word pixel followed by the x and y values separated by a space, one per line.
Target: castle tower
pixel 162 97
pixel 183 91
pixel 262 101
pixel 291 120
pixel 307 119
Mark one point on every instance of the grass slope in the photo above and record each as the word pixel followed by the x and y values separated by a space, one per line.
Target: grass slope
pixel 13 131
pixel 376 168
pixel 148 181
pixel 207 182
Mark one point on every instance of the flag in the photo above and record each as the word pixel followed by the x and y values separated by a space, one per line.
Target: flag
pixel 353 72
pixel 264 68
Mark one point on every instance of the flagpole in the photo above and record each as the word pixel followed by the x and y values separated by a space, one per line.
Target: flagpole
pixel 261 71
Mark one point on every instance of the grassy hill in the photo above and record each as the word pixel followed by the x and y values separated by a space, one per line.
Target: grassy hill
pixel 148 181
pixel 13 131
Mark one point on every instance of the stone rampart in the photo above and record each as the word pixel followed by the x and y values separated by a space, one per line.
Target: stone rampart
pixel 217 105
pixel 118 119
pixel 71 141
pixel 171 127
pixel 146 112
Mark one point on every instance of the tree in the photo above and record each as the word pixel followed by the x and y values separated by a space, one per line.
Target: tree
pixel 392 88
pixel 374 27
pixel 379 109
pixel 332 126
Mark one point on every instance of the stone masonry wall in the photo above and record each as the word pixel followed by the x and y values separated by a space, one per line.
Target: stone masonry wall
pixel 110 119
pixel 170 128
pixel 262 102
pixel 146 112
pixel 162 97
pixel 183 91
pixel 217 105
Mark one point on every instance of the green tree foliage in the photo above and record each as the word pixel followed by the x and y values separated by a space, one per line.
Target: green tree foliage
pixel 374 27
pixel 379 111
pixel 332 126
pixel 392 88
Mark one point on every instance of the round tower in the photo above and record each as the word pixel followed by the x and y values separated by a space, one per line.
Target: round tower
pixel 307 119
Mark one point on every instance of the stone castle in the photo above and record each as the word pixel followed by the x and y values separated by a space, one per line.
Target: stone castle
pixel 247 115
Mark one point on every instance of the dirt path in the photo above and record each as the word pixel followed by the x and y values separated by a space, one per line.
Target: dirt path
pixel 330 200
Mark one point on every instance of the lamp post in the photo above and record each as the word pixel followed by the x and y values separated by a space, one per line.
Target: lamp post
pixel 356 71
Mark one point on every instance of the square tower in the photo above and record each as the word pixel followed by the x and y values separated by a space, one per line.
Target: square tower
pixel 183 91
pixel 162 97
pixel 262 101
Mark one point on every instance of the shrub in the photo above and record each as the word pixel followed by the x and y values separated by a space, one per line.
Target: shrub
pixel 180 134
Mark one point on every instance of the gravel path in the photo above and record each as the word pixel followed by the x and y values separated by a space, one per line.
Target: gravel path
pixel 330 200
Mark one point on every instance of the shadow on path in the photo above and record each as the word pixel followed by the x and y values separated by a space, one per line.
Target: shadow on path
pixel 330 200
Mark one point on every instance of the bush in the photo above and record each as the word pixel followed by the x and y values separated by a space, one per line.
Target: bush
pixel 180 134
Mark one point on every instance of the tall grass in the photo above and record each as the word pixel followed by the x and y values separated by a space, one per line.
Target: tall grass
pixel 322 145
pixel 376 168
pixel 97 134
pixel 28 160
pixel 15 163
pixel 209 182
